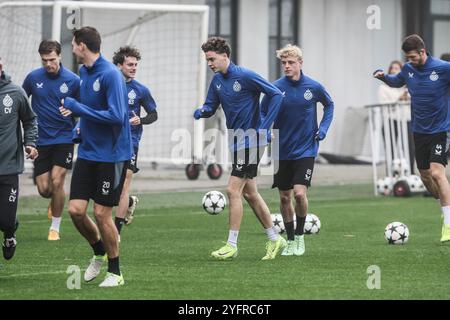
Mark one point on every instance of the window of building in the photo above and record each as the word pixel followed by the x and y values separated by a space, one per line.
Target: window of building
pixel 223 22
pixel 440 24
pixel 283 29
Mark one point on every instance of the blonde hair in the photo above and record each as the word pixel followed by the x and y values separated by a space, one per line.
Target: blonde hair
pixel 290 50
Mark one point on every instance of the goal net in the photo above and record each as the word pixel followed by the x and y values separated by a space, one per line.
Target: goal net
pixel 169 39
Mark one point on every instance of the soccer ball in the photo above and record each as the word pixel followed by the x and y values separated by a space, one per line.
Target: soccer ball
pixel 384 186
pixel 214 202
pixel 278 223
pixel 399 167
pixel 312 224
pixel 396 233
pixel 415 184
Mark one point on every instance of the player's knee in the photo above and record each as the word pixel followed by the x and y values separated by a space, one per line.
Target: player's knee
pixel 437 175
pixel 101 216
pixel 58 183
pixel 45 191
pixel 251 196
pixel 76 212
pixel 233 193
pixel 300 196
pixel 285 199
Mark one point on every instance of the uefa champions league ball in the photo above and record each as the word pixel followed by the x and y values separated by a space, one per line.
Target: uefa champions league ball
pixel 278 223
pixel 214 202
pixel 396 233
pixel 312 224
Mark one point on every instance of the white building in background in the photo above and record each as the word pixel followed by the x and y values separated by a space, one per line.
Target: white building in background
pixel 343 42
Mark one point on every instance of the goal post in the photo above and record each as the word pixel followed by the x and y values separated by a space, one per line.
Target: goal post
pixel 169 37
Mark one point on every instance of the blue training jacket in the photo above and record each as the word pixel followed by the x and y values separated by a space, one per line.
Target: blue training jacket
pixel 138 96
pixel 239 92
pixel 429 87
pixel 297 118
pixel 103 111
pixel 46 91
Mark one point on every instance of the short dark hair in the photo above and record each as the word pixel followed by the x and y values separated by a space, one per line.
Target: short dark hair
pixel 445 57
pixel 48 46
pixel 90 37
pixel 413 42
pixel 123 52
pixel 218 45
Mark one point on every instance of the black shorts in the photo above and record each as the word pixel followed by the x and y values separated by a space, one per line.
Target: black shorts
pixel 9 196
pixel 99 181
pixel 53 155
pixel 245 162
pixel 132 165
pixel 431 148
pixel 292 172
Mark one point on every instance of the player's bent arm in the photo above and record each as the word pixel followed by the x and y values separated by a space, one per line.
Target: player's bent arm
pixel 116 93
pixel 273 98
pixel 378 74
pixel 100 116
pixel 115 88
pixel 149 105
pixel 325 122
pixel 328 111
pixel 392 80
pixel 204 112
pixel 151 117
pixel 273 106
pixel 211 104
pixel 264 107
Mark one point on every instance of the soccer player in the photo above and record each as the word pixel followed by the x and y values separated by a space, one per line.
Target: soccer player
pixel 47 86
pixel 15 109
pixel 428 82
pixel 103 152
pixel 238 90
pixel 126 59
pixel 299 137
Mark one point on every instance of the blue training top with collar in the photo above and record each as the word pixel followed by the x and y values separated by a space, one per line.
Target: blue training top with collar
pixel 103 111
pixel 297 119
pixel 138 96
pixel 46 91
pixel 239 92
pixel 429 87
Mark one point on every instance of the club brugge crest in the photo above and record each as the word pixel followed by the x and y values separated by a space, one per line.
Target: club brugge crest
pixel 434 76
pixel 8 101
pixel 308 95
pixel 237 86
pixel 96 85
pixel 131 96
pixel 64 88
